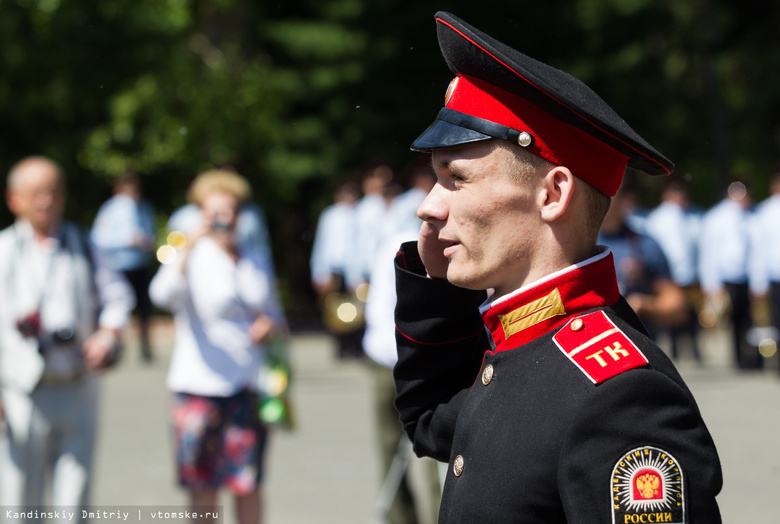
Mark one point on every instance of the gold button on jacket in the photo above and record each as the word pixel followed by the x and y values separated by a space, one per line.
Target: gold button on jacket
pixel 457 466
pixel 487 374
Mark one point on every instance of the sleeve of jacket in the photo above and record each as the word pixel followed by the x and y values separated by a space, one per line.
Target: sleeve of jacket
pixel 643 409
pixel 441 340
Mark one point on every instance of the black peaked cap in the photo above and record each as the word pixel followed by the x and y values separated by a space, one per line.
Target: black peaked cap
pixel 470 52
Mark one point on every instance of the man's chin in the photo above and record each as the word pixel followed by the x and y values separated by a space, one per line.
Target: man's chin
pixel 463 281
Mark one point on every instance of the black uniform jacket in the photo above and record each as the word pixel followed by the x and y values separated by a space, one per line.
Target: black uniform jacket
pixel 534 425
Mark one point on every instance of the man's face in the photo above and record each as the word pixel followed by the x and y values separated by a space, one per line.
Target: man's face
pixel 487 218
pixel 38 196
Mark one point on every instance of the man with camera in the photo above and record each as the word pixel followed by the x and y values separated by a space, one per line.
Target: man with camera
pixel 61 311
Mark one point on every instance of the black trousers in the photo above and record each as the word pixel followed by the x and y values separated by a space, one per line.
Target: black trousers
pixel 745 356
pixel 774 294
pixel 139 280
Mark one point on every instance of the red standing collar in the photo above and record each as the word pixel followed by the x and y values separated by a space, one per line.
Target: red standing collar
pixel 534 310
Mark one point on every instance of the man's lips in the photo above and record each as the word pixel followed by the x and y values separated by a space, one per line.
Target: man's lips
pixel 450 249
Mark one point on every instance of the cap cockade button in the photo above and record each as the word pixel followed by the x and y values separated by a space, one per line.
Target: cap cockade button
pixel 576 324
pixel 525 139
pixel 487 374
pixel 457 466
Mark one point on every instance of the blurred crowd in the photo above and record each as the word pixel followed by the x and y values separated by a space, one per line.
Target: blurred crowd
pixel 683 268
pixel 68 294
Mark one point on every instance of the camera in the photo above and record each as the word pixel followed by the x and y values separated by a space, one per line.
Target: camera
pixel 30 325
pixel 217 225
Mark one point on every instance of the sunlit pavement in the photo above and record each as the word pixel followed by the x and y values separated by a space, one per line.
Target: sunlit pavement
pixel 326 470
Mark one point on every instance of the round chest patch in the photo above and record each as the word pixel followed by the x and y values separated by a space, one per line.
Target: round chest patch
pixel 647 486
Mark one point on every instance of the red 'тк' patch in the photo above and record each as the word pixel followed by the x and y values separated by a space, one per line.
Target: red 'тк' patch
pixel 598 347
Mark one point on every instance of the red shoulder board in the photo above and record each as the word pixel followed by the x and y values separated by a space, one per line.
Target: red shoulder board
pixel 598 347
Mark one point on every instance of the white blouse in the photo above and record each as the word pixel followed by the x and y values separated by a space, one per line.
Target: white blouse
pixel 213 307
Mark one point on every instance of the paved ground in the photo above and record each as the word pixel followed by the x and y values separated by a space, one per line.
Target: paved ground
pixel 326 471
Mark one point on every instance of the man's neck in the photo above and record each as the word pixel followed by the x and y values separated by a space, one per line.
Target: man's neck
pixel 553 262
pixel 38 233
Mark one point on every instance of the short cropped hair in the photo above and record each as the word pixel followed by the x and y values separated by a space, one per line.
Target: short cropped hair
pixel 525 163
pixel 219 181
pixel 597 205
pixel 522 163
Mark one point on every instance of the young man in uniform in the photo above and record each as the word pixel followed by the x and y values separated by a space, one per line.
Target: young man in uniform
pixel 562 410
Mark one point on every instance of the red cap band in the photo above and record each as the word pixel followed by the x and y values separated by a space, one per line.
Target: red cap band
pixel 557 142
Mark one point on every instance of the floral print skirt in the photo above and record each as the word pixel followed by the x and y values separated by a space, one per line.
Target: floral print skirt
pixel 220 441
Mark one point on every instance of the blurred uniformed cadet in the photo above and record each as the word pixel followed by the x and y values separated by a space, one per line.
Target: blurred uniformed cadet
pixel 402 213
pixel 642 269
pixel 370 216
pixel 724 266
pixel 675 224
pixel 562 410
pixel 334 267
pixel 765 277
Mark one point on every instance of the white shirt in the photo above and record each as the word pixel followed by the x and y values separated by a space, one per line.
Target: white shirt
pixel 676 230
pixel 333 251
pixel 122 229
pixel 213 307
pixel 402 213
pixel 371 213
pixel 48 279
pixel 724 245
pixel 379 337
pixel 766 251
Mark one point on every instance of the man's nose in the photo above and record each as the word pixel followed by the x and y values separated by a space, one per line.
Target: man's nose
pixel 434 207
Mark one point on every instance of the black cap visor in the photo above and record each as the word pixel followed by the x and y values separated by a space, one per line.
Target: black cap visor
pixel 443 134
pixel 452 128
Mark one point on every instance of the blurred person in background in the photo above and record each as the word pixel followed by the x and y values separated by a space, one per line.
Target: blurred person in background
pixel 61 311
pixel 370 216
pixel 724 266
pixel 225 315
pixel 379 345
pixel 765 277
pixel 674 224
pixel 124 230
pixel 642 269
pixel 334 265
pixel 251 228
pixel 402 212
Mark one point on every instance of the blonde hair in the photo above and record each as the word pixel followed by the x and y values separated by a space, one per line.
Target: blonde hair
pixel 219 181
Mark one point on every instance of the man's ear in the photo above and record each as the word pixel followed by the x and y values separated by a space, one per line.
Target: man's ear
pixel 557 188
